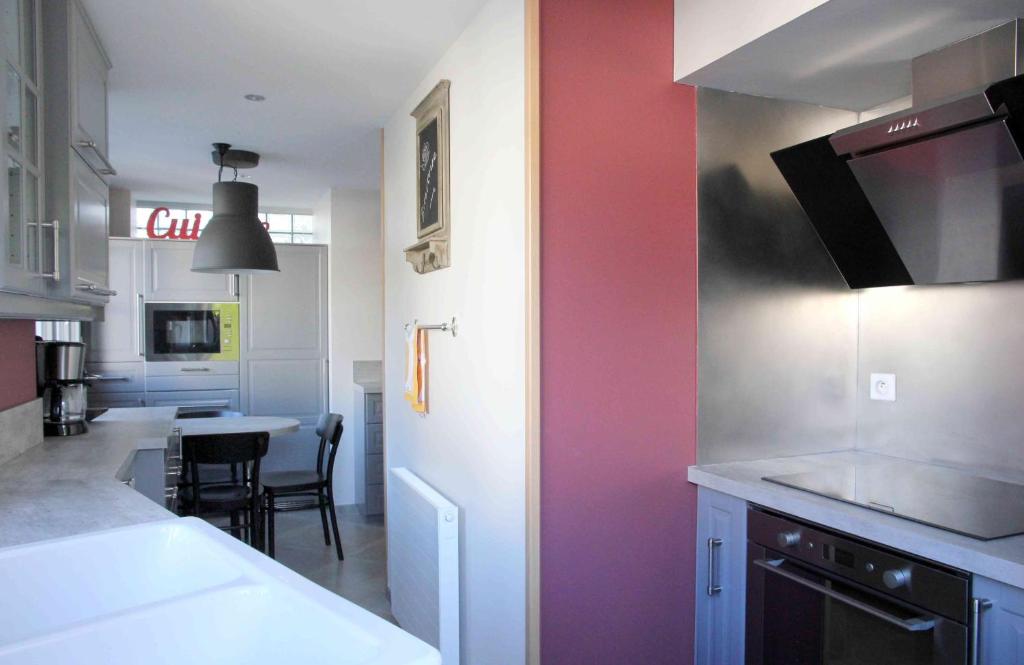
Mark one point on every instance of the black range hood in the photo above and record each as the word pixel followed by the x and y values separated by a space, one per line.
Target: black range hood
pixel 933 195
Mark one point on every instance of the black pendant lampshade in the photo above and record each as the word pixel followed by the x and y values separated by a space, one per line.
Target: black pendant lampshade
pixel 235 240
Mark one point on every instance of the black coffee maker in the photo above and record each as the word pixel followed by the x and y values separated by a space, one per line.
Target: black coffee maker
pixel 60 377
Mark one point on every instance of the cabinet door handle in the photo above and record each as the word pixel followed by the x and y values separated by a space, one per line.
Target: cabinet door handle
pixel 238 286
pixel 713 545
pixel 978 605
pixel 109 168
pixel 195 369
pixel 142 325
pixel 55 225
pixel 94 288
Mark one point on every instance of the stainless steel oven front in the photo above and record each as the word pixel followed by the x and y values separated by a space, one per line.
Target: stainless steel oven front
pixel 177 331
pixel 817 597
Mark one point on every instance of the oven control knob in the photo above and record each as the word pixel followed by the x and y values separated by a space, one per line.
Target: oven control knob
pixel 789 538
pixel 896 578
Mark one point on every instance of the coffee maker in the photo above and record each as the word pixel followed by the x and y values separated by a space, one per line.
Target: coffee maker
pixel 60 375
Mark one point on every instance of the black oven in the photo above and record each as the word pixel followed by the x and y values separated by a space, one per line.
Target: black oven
pixel 816 597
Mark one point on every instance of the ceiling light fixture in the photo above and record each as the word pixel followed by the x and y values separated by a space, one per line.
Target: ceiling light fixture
pixel 235 240
pixel 255 98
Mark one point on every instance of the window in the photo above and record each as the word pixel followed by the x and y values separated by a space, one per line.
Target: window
pixel 284 227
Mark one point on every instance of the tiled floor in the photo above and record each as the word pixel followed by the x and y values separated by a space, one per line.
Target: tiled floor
pixel 361 577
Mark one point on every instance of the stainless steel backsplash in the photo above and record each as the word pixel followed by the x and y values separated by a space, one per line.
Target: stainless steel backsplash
pixel 958 355
pixel 786 349
pixel 778 326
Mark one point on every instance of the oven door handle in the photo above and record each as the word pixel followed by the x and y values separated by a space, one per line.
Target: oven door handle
pixel 913 624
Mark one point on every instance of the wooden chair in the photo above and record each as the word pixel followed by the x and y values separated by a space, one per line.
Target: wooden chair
pixel 236 500
pixel 318 482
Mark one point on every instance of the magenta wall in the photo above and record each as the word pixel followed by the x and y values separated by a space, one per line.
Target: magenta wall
pixel 619 336
pixel 17 363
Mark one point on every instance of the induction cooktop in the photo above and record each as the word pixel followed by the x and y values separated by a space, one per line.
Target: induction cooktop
pixel 949 499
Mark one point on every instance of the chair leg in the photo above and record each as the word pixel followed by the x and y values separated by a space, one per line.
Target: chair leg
pixel 334 522
pixel 322 498
pixel 235 531
pixel 270 525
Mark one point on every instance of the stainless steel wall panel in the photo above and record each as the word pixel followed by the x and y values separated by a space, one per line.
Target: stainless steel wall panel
pixel 958 355
pixel 778 325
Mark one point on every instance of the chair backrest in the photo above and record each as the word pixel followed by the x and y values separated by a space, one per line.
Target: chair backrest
pixel 329 428
pixel 238 448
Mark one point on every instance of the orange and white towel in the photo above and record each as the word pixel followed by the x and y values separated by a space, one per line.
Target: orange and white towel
pixel 416 368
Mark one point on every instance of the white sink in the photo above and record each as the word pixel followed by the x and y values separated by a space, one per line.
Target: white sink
pixel 180 591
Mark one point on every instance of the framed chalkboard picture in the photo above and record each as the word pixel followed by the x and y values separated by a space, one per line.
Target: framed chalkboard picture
pixel 432 186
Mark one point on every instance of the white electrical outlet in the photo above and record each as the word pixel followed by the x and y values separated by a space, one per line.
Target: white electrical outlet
pixel 883 387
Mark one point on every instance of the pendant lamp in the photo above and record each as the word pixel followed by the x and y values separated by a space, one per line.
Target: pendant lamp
pixel 235 240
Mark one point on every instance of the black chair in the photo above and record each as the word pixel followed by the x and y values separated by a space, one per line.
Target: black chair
pixel 236 500
pixel 315 482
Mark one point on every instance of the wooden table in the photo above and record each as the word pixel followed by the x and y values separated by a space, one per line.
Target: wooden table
pixel 270 424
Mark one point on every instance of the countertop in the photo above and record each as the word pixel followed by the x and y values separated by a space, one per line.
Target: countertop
pixel 1001 559
pixel 70 485
pixel 366 375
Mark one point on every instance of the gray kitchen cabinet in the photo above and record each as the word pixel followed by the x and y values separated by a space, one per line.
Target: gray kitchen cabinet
pixel 21 190
pixel 721 578
pixel 112 400
pixel 283 358
pixel 118 338
pixel 90 68
pixel 76 194
pixel 369 452
pixel 169 275
pixel 89 234
pixel 1001 627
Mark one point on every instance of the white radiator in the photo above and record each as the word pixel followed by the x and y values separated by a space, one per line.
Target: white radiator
pixel 423 562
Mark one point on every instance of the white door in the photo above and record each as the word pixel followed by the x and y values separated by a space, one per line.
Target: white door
pixel 169 275
pixel 119 337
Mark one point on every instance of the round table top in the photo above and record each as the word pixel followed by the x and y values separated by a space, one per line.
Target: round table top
pixel 270 424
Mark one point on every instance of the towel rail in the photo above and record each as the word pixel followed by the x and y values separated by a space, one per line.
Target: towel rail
pixel 448 326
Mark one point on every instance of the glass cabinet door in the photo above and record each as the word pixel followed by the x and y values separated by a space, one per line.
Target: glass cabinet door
pixel 21 149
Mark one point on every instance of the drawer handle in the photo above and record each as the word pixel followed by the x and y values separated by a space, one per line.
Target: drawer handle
pixel 101 377
pixel 195 369
pixel 713 545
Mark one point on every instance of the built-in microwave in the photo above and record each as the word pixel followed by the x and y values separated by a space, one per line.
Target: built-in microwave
pixel 191 331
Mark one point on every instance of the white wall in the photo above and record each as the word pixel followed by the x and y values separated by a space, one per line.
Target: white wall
pixel 471 446
pixel 351 219
pixel 708 29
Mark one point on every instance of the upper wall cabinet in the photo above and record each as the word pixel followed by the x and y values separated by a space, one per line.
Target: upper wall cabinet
pixel 89 98
pixel 170 277
pixel 76 155
pixel 21 204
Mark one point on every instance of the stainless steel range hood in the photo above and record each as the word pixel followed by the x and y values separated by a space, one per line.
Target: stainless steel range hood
pixel 932 195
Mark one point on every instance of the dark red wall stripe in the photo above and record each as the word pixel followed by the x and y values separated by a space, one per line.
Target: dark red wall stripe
pixel 17 363
pixel 619 336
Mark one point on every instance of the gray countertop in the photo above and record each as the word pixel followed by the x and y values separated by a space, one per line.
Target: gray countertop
pixel 70 485
pixel 369 386
pixel 1001 559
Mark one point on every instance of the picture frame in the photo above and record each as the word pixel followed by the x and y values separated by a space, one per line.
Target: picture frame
pixel 433 194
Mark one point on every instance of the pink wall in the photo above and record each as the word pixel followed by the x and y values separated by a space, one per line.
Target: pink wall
pixel 619 336
pixel 17 363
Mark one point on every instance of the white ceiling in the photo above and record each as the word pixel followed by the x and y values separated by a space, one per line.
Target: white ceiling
pixel 851 54
pixel 332 72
